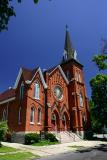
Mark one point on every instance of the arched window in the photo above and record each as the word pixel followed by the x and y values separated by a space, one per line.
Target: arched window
pixel 63 118
pixel 32 114
pixel 81 100
pixel 36 90
pixel 39 115
pixel 4 118
pixel 53 118
pixel 19 115
pixel 22 90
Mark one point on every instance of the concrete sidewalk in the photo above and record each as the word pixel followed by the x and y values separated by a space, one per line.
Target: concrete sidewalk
pixel 53 149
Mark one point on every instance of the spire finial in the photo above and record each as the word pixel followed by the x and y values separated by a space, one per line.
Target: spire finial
pixel 66 27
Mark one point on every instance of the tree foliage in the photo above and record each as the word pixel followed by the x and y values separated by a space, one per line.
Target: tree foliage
pixel 101 61
pixel 6 12
pixel 99 98
pixel 3 130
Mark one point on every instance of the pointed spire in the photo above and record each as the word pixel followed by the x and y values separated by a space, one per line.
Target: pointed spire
pixel 68 48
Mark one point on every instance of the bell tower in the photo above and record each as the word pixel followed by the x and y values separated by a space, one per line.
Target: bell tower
pixel 78 101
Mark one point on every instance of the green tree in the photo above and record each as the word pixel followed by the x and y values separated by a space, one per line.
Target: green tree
pixel 98 104
pixel 6 12
pixel 3 130
pixel 101 61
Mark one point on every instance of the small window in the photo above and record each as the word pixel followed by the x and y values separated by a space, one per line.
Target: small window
pixel 4 118
pixel 39 115
pixel 22 91
pixel 76 76
pixel 65 55
pixel 19 116
pixel 68 75
pixel 32 115
pixel 79 77
pixel 36 90
pixel 81 100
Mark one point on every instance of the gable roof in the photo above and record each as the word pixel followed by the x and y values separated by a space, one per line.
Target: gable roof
pixel 29 75
pixel 7 95
pixel 51 69
pixel 61 71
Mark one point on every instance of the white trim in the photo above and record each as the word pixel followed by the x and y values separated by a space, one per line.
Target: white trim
pixel 34 75
pixel 18 78
pixel 42 78
pixel 27 82
pixel 63 74
pixel 7 100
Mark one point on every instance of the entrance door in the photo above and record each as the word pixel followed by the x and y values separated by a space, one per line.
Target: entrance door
pixel 55 122
pixel 65 122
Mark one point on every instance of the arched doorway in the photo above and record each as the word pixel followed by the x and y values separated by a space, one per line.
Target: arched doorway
pixel 55 121
pixel 65 122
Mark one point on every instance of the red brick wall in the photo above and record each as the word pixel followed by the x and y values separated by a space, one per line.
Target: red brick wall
pixel 31 102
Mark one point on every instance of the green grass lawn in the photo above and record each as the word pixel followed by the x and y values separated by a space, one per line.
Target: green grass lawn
pixel 8 153
pixel 18 156
pixel 45 143
pixel 4 149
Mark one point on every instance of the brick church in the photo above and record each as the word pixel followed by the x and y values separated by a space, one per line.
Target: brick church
pixel 50 100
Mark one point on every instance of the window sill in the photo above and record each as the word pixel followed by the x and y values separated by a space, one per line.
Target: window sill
pixel 39 124
pixel 32 123
pixel 36 98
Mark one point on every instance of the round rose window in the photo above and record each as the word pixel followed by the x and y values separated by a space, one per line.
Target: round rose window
pixel 58 92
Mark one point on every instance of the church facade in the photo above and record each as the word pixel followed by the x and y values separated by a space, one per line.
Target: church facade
pixel 50 100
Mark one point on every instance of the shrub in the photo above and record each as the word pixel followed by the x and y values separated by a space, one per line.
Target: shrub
pixel 88 135
pixel 51 137
pixel 31 138
pixel 3 131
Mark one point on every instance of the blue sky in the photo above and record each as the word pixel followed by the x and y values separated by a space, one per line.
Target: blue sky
pixel 36 36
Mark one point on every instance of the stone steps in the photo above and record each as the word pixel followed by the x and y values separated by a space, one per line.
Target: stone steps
pixel 67 137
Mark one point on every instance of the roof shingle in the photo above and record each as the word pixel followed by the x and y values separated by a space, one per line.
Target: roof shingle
pixel 7 94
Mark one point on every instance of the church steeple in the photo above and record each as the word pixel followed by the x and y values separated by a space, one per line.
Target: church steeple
pixel 69 52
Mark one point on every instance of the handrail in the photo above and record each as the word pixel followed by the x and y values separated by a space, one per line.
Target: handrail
pixel 70 134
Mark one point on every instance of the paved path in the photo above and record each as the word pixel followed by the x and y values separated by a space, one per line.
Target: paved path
pixel 94 153
pixel 54 149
